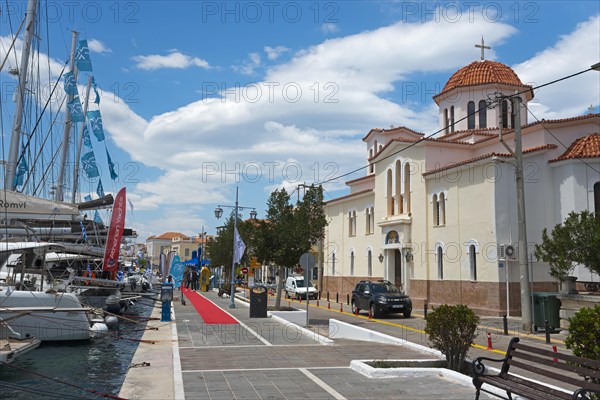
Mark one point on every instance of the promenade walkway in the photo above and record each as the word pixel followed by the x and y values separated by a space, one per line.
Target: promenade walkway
pixel 267 358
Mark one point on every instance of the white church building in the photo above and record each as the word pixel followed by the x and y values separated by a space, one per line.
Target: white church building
pixel 438 215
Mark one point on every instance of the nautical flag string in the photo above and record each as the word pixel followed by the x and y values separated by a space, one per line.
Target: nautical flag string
pixel 75 110
pixel 100 189
pixel 82 56
pixel 70 84
pixel 87 197
pixel 89 165
pixel 97 218
pixel 111 167
pixel 22 169
pixel 86 137
pixel 97 99
pixel 96 124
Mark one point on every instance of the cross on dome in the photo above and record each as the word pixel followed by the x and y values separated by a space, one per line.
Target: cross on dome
pixel 482 46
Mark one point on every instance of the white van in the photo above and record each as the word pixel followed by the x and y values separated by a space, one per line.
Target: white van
pixel 295 287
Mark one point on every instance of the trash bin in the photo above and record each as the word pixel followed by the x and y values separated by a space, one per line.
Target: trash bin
pixel 258 302
pixel 546 307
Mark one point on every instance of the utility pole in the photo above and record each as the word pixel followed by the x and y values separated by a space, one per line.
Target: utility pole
pixel 525 282
pixel 526 316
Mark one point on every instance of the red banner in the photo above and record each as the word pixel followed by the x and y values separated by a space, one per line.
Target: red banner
pixel 115 233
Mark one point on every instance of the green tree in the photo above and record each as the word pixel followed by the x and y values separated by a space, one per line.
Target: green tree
pixel 451 330
pixel 575 241
pixel 287 232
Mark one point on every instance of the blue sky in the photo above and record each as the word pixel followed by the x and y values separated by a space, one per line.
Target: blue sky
pixel 303 82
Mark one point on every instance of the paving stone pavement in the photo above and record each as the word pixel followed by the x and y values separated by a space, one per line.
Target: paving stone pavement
pixel 264 358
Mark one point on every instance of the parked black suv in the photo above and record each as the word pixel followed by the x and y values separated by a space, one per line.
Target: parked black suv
pixel 380 297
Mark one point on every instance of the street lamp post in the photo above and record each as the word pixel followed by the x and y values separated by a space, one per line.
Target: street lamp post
pixel 218 214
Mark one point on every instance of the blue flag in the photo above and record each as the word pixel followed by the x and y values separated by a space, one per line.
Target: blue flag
pixel 111 167
pixel 75 109
pixel 70 84
pixel 96 124
pixel 83 232
pixel 100 189
pixel 97 99
pixel 97 218
pixel 22 169
pixel 82 56
pixel 86 137
pixel 89 165
pixel 87 197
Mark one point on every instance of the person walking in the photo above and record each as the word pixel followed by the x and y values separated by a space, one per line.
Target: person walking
pixel 195 279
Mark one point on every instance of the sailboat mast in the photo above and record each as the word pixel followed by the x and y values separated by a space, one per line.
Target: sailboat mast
pixel 78 154
pixel 68 123
pixel 13 152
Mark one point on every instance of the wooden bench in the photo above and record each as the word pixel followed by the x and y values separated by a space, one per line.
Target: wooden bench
pixel 563 368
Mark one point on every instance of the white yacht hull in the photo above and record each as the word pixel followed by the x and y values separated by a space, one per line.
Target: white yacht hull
pixel 46 316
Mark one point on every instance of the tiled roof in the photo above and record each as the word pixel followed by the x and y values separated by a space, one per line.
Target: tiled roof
pixel 171 235
pixel 349 195
pixel 482 73
pixel 488 155
pixel 585 147
pixel 561 120
pixel 392 130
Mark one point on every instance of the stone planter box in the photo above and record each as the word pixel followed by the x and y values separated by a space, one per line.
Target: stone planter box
pixel 571 303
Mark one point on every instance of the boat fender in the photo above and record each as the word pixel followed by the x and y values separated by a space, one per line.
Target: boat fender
pixel 111 320
pixel 99 329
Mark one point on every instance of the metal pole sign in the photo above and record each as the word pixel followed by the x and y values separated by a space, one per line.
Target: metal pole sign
pixel 307 261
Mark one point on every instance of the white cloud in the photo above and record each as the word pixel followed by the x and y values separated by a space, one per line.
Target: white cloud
pixel 273 53
pixel 175 59
pixel 572 53
pixel 249 66
pixel 329 27
pixel 96 46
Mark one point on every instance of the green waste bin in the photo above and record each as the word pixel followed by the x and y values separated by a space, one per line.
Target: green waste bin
pixel 546 307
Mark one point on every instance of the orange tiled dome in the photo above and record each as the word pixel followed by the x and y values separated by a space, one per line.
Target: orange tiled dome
pixel 481 73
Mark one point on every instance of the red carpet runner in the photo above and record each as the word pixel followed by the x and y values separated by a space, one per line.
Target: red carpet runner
pixel 210 313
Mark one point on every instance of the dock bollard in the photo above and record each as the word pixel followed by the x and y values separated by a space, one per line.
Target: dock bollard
pixel 341 307
pixel 356 311
pixel 489 337
pixel 505 324
pixel 370 313
pixel 547 329
pixel 425 310
pixel 554 350
pixel 328 305
pixel 317 303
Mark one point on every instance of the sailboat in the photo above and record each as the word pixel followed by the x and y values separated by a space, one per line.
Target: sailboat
pixel 33 224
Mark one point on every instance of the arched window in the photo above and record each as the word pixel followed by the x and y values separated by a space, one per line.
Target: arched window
pixel 482 114
pixel 390 194
pixel 597 198
pixel 473 262
pixel 367 221
pixel 436 210
pixel 352 223
pixel 369 263
pixel 440 262
pixel 398 187
pixel 352 263
pixel 442 209
pixel 407 187
pixel 471 115
pixel 375 147
pixel 452 119
pixel 446 121
pixel 504 105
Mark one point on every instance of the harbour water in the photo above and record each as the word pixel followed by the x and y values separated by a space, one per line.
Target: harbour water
pixel 77 371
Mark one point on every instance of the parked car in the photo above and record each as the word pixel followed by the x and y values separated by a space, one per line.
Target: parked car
pixel 296 288
pixel 380 297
